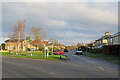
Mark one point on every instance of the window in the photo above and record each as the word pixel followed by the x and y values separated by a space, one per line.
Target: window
pixel 111 39
pixel 10 47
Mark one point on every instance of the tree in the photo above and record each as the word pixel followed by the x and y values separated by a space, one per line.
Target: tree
pixel 18 32
pixel 54 41
pixel 3 46
pixel 38 34
pixel 79 45
pixel 28 38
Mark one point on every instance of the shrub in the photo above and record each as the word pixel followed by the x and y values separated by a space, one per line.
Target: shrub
pixel 28 49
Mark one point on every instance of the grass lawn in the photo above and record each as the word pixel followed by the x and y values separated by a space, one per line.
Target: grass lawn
pixel 35 55
pixel 50 57
pixel 100 55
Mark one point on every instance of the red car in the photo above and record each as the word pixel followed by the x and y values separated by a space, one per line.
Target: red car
pixel 58 52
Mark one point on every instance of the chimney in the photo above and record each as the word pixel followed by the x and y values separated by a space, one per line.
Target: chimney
pixel 106 33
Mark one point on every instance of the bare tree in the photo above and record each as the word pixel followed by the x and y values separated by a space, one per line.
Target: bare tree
pixel 38 34
pixel 18 32
pixel 56 43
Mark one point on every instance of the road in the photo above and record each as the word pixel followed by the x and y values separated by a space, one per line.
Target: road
pixel 82 59
pixel 73 68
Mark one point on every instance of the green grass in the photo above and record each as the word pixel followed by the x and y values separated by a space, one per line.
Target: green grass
pixel 35 55
pixel 94 55
pixel 50 57
pixel 100 55
pixel 118 62
pixel 6 53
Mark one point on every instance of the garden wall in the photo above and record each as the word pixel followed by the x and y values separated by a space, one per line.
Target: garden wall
pixel 111 50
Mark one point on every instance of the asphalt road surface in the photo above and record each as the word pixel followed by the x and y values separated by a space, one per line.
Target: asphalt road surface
pixel 77 67
pixel 82 59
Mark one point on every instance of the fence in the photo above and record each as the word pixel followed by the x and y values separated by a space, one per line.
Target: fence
pixel 111 50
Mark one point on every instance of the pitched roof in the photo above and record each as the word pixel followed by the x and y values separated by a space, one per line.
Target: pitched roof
pixel 105 37
pixel 116 34
pixel 14 40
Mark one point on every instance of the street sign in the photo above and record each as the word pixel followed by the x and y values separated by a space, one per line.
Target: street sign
pixel 46 48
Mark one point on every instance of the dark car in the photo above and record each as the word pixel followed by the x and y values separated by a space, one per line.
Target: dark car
pixel 65 50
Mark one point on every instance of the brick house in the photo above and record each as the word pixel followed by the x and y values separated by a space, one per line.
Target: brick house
pixel 104 40
pixel 11 44
pixel 116 38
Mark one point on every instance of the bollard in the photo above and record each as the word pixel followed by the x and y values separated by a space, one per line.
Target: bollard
pixel 60 56
pixel 47 54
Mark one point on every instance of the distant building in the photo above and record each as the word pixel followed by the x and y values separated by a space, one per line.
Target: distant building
pixel 116 38
pixel 104 40
pixel 12 44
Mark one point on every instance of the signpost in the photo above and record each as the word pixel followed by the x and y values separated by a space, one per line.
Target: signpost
pixel 46 51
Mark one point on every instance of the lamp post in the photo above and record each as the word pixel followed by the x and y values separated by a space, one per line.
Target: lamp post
pixel 86 48
pixel 52 46
pixel 52 42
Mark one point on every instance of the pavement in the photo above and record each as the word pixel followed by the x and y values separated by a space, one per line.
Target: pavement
pixel 78 66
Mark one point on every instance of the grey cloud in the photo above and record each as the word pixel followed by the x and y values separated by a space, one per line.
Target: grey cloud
pixel 85 20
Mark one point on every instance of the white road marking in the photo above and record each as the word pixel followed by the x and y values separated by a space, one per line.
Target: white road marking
pixel 52 73
pixel 83 77
pixel 100 68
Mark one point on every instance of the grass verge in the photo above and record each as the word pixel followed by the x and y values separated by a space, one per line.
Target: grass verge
pixel 35 55
pixel 100 55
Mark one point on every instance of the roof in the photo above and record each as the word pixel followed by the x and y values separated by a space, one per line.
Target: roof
pixel 36 41
pixel 105 37
pixel 116 34
pixel 14 40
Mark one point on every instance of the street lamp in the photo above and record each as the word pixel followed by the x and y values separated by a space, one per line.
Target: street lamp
pixel 52 41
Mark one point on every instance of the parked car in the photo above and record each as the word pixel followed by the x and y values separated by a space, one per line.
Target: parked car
pixel 33 49
pixel 79 51
pixel 58 52
pixel 65 50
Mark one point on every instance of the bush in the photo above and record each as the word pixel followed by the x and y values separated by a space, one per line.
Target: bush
pixel 28 49
pixel 50 52
pixel 98 50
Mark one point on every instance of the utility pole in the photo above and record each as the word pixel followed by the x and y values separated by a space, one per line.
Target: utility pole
pixel 19 41
pixel 86 49
pixel 52 46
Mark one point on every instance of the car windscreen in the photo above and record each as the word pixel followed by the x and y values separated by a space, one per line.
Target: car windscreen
pixel 58 50
pixel 79 50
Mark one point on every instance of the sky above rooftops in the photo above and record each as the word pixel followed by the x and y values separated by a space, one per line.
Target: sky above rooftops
pixel 68 22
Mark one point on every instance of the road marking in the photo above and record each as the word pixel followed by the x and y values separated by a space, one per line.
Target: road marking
pixel 83 77
pixel 52 73
pixel 100 68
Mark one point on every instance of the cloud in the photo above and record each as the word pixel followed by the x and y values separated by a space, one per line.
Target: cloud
pixel 64 21
pixel 69 34
pixel 60 0
pixel 53 23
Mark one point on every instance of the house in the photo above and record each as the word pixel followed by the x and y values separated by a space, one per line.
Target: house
pixel 12 44
pixel 104 40
pixel 116 38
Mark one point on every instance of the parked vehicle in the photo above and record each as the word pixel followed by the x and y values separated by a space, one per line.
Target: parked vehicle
pixel 65 50
pixel 79 51
pixel 58 52
pixel 33 49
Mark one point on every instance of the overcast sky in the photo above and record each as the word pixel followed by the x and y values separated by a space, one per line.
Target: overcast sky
pixel 68 22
